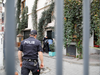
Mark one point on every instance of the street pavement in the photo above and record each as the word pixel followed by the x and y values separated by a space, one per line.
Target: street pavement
pixel 2 72
pixel 71 66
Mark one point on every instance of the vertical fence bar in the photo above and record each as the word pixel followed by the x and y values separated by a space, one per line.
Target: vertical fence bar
pixel 10 36
pixel 59 35
pixel 86 34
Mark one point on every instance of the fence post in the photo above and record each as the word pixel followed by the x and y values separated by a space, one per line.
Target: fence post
pixel 86 34
pixel 10 36
pixel 59 35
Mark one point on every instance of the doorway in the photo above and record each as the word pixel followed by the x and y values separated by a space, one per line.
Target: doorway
pixel 49 34
pixel 26 34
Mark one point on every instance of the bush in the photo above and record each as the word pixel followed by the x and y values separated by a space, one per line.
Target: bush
pixel 52 47
pixel 67 54
pixel 79 56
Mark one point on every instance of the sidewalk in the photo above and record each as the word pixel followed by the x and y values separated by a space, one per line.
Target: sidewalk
pixel 2 71
pixel 94 60
pixel 73 62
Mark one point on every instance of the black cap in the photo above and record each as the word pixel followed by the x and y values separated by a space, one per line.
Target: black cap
pixel 33 32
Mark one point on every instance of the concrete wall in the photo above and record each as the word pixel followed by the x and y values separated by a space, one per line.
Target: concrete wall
pixel 92 50
pixel 39 11
pixel 91 44
pixel 30 5
pixel 41 6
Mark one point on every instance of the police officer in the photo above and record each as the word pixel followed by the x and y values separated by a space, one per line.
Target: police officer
pixel 30 48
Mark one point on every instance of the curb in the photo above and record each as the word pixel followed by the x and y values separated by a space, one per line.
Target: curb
pixel 75 62
pixel 81 63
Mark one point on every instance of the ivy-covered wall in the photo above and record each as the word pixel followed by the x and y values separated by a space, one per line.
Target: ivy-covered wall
pixel 34 15
pixel 23 20
pixel 73 26
pixel 44 20
pixel 18 13
pixel 95 19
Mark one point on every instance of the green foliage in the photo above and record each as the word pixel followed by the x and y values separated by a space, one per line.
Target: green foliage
pixel 34 15
pixel 52 47
pixel 44 20
pixel 95 19
pixel 24 20
pixel 73 23
pixel 18 10
pixel 73 27
pixel 80 57
pixel 77 56
pixel 18 13
pixel 67 54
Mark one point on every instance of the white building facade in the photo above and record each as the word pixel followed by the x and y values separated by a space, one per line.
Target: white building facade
pixel 41 6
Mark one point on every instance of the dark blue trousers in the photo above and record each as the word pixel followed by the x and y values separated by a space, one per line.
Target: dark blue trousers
pixel 29 66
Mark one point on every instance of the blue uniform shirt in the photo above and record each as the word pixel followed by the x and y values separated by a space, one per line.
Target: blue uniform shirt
pixel 50 41
pixel 30 48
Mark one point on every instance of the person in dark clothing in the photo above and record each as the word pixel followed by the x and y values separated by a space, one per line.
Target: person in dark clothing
pixel 45 44
pixel 30 47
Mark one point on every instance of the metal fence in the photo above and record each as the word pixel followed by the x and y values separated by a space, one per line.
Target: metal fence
pixel 11 28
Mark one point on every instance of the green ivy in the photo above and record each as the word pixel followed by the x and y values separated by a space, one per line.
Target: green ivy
pixel 34 15
pixel 73 27
pixel 18 10
pixel 44 20
pixel 52 47
pixel 24 20
pixel 95 19
pixel 18 13
pixel 73 23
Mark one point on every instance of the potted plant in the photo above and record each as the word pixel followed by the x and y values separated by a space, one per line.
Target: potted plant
pixel 52 48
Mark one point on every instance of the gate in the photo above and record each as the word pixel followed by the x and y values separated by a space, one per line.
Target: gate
pixel 10 29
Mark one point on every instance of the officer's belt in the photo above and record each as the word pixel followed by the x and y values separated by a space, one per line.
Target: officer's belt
pixel 31 60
